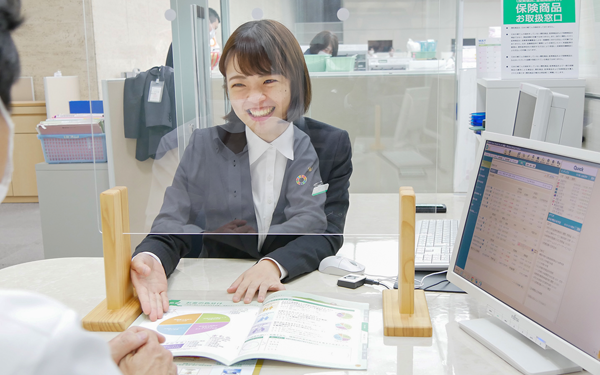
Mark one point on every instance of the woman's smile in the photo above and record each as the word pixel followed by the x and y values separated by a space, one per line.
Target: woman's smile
pixel 261 112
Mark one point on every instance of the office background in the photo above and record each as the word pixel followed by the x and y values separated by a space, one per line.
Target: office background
pixel 99 40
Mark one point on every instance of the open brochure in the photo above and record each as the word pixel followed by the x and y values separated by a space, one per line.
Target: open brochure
pixel 205 366
pixel 288 326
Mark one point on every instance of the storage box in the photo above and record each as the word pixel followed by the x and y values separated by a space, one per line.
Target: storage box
pixel 69 127
pixel 340 64
pixel 74 148
pixel 83 106
pixel 316 63
pixel 424 55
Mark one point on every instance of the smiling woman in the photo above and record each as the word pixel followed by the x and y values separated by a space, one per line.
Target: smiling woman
pixel 252 187
pixel 267 48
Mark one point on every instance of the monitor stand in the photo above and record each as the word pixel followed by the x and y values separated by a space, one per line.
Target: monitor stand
pixel 516 349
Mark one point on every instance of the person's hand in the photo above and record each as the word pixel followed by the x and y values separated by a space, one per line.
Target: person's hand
pixel 150 282
pixel 234 226
pixel 130 341
pixel 150 359
pixel 262 277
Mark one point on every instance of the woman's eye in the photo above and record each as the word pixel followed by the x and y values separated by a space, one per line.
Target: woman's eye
pixel 270 81
pixel 237 85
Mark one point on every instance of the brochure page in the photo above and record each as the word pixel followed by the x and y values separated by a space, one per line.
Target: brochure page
pixel 289 326
pixel 311 330
pixel 215 330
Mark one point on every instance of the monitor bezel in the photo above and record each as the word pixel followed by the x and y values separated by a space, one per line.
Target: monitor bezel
pixel 541 111
pixel 560 345
pixel 556 119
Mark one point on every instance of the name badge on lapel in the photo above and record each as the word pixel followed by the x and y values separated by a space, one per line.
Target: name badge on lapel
pixel 156 91
pixel 320 189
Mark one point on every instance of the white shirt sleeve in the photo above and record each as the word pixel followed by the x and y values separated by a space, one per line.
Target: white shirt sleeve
pixel 151 254
pixel 40 336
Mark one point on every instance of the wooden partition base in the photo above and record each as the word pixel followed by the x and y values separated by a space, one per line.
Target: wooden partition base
pixel 101 319
pixel 33 199
pixel 406 325
pixel 405 311
pixel 121 306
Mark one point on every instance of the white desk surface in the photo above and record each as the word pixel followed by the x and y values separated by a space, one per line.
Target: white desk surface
pixel 79 284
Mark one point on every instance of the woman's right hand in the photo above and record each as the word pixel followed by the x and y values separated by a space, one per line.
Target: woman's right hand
pixel 150 282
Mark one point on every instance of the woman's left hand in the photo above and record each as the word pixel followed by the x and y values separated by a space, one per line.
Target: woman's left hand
pixel 262 277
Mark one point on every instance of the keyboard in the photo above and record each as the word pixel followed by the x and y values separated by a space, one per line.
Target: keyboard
pixel 434 241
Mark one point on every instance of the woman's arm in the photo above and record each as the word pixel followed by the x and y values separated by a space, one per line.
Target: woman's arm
pixel 182 201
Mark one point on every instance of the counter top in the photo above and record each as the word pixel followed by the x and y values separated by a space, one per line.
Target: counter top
pixel 79 283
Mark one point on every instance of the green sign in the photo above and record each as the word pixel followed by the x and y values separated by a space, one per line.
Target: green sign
pixel 529 12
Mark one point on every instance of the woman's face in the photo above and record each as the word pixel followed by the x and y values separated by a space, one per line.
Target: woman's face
pixel 328 50
pixel 261 102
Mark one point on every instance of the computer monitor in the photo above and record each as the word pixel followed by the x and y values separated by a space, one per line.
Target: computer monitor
pixel 527 249
pixel 540 114
pixel 533 110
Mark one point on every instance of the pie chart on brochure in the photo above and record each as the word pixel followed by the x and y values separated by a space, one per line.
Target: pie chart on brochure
pixel 192 324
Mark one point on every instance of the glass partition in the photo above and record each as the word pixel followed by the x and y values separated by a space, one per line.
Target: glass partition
pixel 183 139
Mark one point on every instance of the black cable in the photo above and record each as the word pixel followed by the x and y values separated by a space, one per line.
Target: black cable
pixel 375 282
pixel 439 282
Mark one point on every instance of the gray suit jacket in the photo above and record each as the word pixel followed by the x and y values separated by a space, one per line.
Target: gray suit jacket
pixel 144 121
pixel 298 254
pixel 212 186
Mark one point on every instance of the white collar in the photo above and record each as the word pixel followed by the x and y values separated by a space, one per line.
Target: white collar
pixel 284 144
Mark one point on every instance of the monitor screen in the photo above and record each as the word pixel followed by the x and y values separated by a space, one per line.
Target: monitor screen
pixel 380 45
pixel 530 239
pixel 524 117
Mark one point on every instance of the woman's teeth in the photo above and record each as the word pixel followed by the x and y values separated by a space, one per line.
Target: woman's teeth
pixel 261 112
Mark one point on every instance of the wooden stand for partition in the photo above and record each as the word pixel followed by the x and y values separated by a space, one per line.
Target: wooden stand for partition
pixel 121 307
pixel 405 311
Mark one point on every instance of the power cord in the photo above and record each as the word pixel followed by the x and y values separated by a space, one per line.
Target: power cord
pixel 375 282
pixel 432 285
pixel 421 283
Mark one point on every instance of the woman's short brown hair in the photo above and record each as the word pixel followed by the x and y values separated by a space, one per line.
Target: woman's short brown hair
pixel 267 47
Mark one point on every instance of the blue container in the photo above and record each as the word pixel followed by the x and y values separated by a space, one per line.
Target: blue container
pixel 74 148
pixel 477 118
pixel 83 106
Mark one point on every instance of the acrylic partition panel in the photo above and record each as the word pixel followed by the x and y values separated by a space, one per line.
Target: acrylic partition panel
pixel 381 116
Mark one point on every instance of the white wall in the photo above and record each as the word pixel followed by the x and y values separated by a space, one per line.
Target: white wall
pixel 281 10
pixel 479 15
pixel 53 37
pixel 399 21
pixel 129 34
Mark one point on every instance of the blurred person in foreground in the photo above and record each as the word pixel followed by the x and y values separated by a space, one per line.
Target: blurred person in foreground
pixel 38 335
